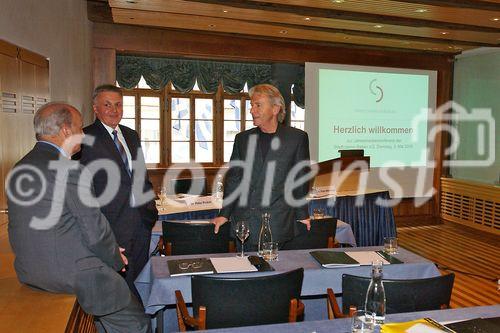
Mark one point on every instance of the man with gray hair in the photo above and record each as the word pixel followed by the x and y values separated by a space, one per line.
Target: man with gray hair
pixel 271 151
pixel 62 242
pixel 130 220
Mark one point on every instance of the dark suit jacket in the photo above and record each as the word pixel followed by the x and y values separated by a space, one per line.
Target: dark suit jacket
pixel 128 223
pixel 293 148
pixel 73 250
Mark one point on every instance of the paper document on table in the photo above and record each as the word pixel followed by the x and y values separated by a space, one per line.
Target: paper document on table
pixel 232 265
pixel 196 221
pixel 424 325
pixel 366 257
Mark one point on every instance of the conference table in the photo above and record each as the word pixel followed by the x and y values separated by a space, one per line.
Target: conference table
pixel 156 287
pixel 344 324
pixel 370 222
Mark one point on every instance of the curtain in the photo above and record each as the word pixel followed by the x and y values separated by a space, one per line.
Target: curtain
pixel 183 73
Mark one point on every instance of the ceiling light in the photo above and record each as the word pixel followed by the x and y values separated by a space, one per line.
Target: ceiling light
pixel 338 1
pixel 421 10
pixel 378 26
pixel 444 32
pixel 225 11
pixel 283 32
pixel 495 19
pixel 307 19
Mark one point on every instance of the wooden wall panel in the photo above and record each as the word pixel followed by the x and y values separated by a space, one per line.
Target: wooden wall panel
pixel 473 204
pixel 24 78
pixel 104 66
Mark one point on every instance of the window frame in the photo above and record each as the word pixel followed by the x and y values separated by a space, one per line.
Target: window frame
pixel 165 95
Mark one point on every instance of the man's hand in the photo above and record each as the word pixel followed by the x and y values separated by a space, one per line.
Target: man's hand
pixel 307 222
pixel 124 259
pixel 218 221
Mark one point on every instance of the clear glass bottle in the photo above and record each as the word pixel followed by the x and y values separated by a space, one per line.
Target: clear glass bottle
pixel 265 234
pixel 375 295
pixel 219 188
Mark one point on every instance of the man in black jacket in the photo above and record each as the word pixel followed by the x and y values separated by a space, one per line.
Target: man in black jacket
pixel 264 173
pixel 130 207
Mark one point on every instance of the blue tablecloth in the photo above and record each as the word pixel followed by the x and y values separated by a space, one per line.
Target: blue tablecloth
pixel 190 215
pixel 156 287
pixel 344 325
pixel 370 221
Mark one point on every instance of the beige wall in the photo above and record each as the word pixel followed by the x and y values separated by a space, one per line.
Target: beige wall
pixel 60 31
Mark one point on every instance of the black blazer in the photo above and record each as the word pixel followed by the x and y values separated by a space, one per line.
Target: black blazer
pixel 292 148
pixel 127 222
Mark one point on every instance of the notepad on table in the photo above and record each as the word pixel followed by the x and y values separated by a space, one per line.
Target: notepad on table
pixel 193 266
pixel 333 259
pixel 232 265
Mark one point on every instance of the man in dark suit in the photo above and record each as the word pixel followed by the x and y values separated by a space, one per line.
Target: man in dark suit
pixel 265 163
pixel 62 242
pixel 131 211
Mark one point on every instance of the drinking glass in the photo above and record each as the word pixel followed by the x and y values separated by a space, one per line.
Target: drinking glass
pixel 270 251
pixel 242 232
pixel 318 213
pixel 362 322
pixel 391 245
pixel 163 195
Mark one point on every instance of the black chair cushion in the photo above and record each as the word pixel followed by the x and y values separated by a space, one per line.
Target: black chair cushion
pixel 401 295
pixel 316 238
pixel 246 301
pixel 191 238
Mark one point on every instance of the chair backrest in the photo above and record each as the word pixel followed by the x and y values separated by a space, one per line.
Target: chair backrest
pixel 196 186
pixel 322 232
pixel 247 301
pixel 401 295
pixel 192 238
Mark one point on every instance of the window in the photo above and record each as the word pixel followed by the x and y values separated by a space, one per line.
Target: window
pixel 297 116
pixel 236 119
pixel 150 128
pixel 177 128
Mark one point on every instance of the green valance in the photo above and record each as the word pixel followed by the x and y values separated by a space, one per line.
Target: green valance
pixel 183 73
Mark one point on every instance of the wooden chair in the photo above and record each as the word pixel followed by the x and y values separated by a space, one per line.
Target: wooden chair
pixel 321 235
pixel 401 295
pixel 192 238
pixel 230 302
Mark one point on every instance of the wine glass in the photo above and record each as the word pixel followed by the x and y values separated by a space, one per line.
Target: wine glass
pixel 242 232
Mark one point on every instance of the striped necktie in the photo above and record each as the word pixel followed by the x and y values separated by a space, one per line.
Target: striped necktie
pixel 122 152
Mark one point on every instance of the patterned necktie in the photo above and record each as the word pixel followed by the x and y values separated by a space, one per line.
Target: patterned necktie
pixel 121 150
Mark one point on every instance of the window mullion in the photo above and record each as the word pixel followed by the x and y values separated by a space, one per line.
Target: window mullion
pixel 192 137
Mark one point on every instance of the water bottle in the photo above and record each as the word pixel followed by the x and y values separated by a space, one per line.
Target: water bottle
pixel 265 235
pixel 375 295
pixel 219 188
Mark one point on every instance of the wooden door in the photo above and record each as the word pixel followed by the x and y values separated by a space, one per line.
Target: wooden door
pixel 24 87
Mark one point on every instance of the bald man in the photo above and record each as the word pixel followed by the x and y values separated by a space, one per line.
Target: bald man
pixel 61 240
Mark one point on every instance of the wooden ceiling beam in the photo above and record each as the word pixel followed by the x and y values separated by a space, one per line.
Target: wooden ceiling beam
pixel 469 4
pixel 372 34
pixel 345 15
